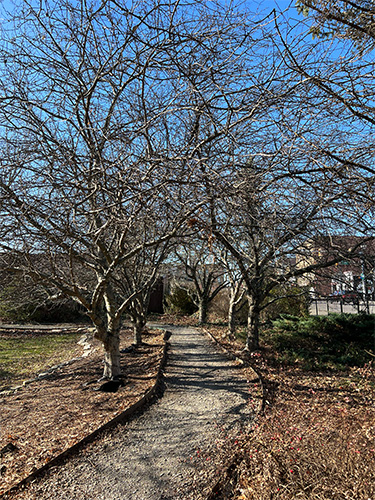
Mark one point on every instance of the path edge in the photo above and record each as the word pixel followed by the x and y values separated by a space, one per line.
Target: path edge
pixel 122 417
pixel 215 489
pixel 244 363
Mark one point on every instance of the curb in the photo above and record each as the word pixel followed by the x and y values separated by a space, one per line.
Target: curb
pixel 126 414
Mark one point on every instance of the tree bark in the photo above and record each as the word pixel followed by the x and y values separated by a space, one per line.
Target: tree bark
pixel 112 365
pixel 138 326
pixel 253 320
pixel 231 318
pixel 203 309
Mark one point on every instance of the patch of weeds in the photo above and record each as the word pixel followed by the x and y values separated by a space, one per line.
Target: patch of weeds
pixel 299 453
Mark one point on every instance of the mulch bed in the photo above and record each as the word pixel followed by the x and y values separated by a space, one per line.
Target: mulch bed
pixel 46 417
pixel 318 431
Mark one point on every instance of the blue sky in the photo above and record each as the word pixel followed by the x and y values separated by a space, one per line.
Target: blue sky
pixel 253 5
pixel 267 6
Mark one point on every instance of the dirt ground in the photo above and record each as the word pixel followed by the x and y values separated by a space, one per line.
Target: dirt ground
pixel 44 418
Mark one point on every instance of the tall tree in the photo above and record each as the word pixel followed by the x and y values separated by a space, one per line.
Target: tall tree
pixel 265 218
pixel 105 109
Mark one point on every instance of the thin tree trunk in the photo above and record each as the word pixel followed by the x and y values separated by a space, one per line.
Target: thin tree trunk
pixel 231 318
pixel 138 326
pixel 253 320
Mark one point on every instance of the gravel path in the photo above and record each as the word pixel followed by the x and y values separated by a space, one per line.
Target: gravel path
pixel 154 456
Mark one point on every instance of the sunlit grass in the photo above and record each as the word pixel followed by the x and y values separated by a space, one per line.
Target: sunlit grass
pixel 23 357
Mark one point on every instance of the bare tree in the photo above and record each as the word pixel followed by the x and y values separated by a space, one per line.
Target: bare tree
pixel 137 281
pixel 105 112
pixel 205 273
pixel 85 95
pixel 236 288
pixel 264 220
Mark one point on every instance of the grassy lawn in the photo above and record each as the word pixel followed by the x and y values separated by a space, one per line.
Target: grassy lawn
pixel 23 357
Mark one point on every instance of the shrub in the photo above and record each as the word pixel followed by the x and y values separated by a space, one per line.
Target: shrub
pixel 293 300
pixel 15 307
pixel 180 302
pixel 323 342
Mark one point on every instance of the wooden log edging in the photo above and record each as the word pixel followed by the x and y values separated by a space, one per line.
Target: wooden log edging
pixel 244 363
pixel 122 417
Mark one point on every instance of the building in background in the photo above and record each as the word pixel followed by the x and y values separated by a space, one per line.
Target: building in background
pixel 351 276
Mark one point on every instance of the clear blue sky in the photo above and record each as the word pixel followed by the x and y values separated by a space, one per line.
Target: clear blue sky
pixel 264 6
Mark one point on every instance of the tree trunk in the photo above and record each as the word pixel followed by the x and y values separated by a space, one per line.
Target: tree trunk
pixel 203 308
pixel 112 365
pixel 138 326
pixel 231 318
pixel 253 320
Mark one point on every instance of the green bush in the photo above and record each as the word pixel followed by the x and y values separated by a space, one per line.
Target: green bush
pixel 345 327
pixel 180 302
pixel 293 300
pixel 323 342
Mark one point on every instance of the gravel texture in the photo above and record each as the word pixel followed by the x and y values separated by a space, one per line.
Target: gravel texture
pixel 157 455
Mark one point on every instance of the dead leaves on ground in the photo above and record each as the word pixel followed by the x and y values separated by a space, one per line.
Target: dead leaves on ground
pixel 316 439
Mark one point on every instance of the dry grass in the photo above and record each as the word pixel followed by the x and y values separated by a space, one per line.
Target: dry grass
pixel 325 452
